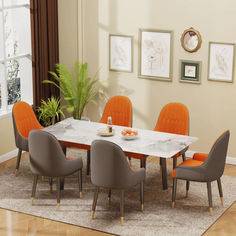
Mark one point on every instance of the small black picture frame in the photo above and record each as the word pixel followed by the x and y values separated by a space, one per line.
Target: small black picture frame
pixel 190 71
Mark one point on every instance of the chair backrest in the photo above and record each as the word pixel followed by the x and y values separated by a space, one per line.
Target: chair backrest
pixel 109 165
pixel 46 155
pixel 120 109
pixel 173 118
pixel 24 119
pixel 215 163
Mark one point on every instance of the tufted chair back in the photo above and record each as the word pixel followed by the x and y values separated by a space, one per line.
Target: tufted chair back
pixel 173 118
pixel 120 109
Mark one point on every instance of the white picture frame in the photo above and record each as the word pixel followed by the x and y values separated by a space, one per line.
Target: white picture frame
pixel 120 53
pixel 155 54
pixel 221 61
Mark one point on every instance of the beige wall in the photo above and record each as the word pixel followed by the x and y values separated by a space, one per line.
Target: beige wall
pixel 212 105
pixel 7 141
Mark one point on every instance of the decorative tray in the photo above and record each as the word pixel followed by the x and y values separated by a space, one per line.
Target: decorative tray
pixel 103 132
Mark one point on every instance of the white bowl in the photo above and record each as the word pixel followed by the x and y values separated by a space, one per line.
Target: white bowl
pixel 130 137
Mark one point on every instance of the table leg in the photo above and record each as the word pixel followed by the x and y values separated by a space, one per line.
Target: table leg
pixel 62 180
pixel 164 173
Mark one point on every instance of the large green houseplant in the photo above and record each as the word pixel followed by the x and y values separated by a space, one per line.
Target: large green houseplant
pixel 77 89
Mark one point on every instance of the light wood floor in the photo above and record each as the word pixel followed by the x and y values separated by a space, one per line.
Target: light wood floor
pixel 19 224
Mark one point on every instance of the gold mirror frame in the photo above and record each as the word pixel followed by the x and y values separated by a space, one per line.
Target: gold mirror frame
pixel 193 47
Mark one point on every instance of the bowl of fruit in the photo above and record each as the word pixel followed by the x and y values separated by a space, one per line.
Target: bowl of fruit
pixel 129 134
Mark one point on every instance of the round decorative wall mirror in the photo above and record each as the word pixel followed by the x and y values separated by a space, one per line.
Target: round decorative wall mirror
pixel 191 40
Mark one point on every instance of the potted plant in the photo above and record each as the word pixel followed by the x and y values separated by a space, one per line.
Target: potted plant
pixel 77 89
pixel 50 110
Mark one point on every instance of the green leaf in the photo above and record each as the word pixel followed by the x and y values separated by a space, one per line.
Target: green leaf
pixel 77 89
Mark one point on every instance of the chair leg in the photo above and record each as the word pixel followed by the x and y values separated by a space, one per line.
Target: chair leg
pixel 220 191
pixel 130 161
pixel 95 198
pixel 58 192
pixel 34 188
pixel 109 196
pixel 174 187
pixel 187 187
pixel 183 156
pixel 209 197
pixel 80 184
pixel 50 183
pixel 62 183
pixel 174 162
pixel 142 195
pixel 122 196
pixel 88 162
pixel 64 149
pixel 18 161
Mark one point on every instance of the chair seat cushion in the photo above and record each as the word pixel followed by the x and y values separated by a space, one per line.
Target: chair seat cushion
pixel 189 162
pixel 200 156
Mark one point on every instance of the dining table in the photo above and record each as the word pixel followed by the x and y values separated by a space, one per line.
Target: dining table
pixel 81 133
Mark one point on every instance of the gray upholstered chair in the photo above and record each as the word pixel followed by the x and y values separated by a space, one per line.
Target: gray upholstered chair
pixel 24 120
pixel 209 170
pixel 110 169
pixel 48 159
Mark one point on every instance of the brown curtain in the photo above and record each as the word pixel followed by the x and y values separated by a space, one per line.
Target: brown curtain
pixel 45 51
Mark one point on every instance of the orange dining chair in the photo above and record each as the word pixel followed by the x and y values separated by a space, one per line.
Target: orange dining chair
pixel 24 120
pixel 120 109
pixel 173 118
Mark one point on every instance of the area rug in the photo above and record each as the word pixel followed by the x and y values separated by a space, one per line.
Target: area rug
pixel 190 216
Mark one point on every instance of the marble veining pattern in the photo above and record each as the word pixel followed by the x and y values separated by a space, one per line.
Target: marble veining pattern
pixel 148 142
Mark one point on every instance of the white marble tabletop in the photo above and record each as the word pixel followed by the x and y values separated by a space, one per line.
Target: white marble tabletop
pixel 148 142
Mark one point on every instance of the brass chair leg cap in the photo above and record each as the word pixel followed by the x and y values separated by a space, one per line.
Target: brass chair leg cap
pixel 121 220
pixel 80 194
pixel 222 201
pixel 142 207
pixel 173 205
pixel 58 206
pixel 211 211
pixel 32 201
pixel 92 214
pixel 16 172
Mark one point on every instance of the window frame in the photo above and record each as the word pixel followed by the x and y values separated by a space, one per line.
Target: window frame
pixel 6 109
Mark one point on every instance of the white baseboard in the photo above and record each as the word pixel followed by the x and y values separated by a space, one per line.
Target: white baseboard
pixel 190 153
pixel 229 160
pixel 8 156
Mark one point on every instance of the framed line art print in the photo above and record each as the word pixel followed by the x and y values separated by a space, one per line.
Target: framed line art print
pixel 221 61
pixel 155 54
pixel 120 53
pixel 190 71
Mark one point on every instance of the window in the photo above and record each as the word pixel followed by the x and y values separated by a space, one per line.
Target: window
pixel 15 54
